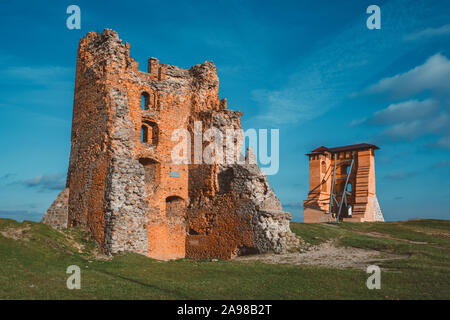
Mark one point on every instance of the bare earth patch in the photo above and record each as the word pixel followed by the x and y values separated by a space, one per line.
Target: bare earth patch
pixel 101 256
pixel 386 236
pixel 96 253
pixel 16 233
pixel 437 232
pixel 326 254
pixel 73 243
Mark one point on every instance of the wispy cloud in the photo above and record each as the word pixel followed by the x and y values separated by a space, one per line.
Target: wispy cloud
pixel 404 131
pixel 7 176
pixel 333 69
pixel 46 182
pixel 36 85
pixel 291 205
pixel 438 125
pixel 443 142
pixel 442 164
pixel 404 111
pixel 284 106
pixel 433 75
pixel 414 118
pixel 429 33
pixel 21 215
pixel 400 175
pixel 411 119
pixel 40 75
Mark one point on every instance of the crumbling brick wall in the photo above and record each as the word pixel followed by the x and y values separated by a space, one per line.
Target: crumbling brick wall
pixel 124 186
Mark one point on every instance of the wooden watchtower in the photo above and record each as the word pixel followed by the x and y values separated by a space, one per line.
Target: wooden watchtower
pixel 345 178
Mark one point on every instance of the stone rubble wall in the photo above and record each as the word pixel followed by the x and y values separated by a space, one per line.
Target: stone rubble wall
pixel 56 215
pixel 270 223
pixel 126 208
pixel 236 212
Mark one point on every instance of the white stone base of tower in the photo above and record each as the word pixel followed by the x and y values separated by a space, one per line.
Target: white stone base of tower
pixel 377 214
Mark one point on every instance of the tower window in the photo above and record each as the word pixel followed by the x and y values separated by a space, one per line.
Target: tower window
pixel 149 133
pixel 175 206
pixel 144 134
pixel 152 170
pixel 145 101
pixel 176 212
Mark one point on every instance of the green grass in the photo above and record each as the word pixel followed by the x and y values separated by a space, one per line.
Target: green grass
pixel 34 267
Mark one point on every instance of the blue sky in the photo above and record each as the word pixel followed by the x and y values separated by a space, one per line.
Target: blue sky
pixel 310 68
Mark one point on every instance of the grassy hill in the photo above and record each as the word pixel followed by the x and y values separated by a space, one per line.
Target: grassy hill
pixel 34 259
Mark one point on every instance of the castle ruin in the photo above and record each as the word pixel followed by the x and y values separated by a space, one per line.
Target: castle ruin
pixel 122 184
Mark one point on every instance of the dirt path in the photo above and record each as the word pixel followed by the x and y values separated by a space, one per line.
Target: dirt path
pixel 386 236
pixel 389 237
pixel 326 254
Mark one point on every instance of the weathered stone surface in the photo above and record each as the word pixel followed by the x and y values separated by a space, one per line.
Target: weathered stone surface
pixel 124 186
pixel 234 211
pixel 56 215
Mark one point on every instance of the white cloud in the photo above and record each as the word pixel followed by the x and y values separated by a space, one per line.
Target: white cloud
pixel 404 131
pixel 433 75
pixel 405 111
pixel 21 215
pixel 283 107
pixel 410 129
pixel 36 85
pixel 358 122
pixel 443 142
pixel 328 70
pixel 429 33
pixel 411 119
pixel 400 175
pixel 442 164
pixel 47 182
pixel 40 75
pixel 437 125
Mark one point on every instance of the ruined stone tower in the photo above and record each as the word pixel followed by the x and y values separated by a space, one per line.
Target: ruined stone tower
pixel 122 184
pixel 328 172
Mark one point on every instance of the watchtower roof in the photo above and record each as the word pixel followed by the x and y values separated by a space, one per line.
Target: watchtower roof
pixel 351 147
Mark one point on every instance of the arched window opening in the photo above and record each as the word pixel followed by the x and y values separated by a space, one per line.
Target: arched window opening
pixel 144 134
pixel 175 207
pixel 324 166
pixel 174 199
pixel 152 170
pixel 149 133
pixel 145 101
